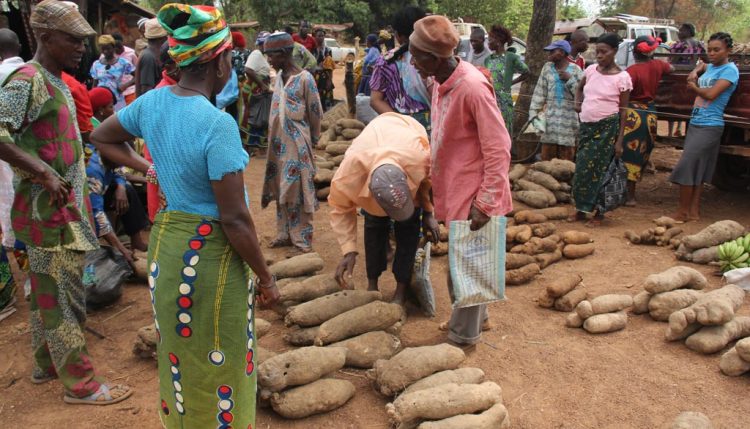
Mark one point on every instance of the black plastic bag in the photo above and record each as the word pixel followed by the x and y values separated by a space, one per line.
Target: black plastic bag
pixel 105 272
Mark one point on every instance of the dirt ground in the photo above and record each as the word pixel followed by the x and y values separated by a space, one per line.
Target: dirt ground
pixel 552 376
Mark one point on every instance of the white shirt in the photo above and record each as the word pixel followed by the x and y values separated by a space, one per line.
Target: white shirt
pixel 6 173
pixel 257 62
pixel 9 66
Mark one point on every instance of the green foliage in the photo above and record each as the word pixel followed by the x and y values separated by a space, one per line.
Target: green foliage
pixel 570 9
pixel 514 14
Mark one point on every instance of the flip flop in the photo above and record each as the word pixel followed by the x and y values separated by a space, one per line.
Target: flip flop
pixel 47 379
pixel 276 243
pixel 102 396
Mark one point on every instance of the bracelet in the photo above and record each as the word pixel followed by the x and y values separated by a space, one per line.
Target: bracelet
pixel 270 284
pixel 151 175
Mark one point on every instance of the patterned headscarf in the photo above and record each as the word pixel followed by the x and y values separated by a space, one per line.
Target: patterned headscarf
pixel 278 41
pixel 197 34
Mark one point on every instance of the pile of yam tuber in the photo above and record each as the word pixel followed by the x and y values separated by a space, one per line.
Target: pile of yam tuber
pixel 441 248
pixel 299 266
pixel 336 137
pixel 433 393
pixel 703 247
pixel 600 315
pixel 663 234
pixel 542 184
pixel 669 291
pixel 563 293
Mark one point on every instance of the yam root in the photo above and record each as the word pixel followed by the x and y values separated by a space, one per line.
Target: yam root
pixel 350 133
pixel 411 364
pixel 716 307
pixel 542 179
pixel 689 330
pixel 544 300
pixel 525 185
pixel 570 300
pixel 320 396
pixel 665 221
pixel 576 237
pixel 302 265
pixel 546 259
pixel 456 376
pixel 336 160
pixel 518 233
pixel 703 256
pixel 522 275
pixel 543 230
pixel 674 278
pixel 573 320
pixel 743 348
pixel 440 249
pixel 732 364
pixel 554 213
pixel 337 148
pixel 322 193
pixel 364 350
pixel 640 302
pixel 517 260
pixel 691 420
pixel 562 196
pixel 323 175
pixel 603 304
pixel 375 316
pixel 350 123
pixel 262 354
pixel 516 172
pixel 301 336
pixel 715 234
pixel 538 245
pixel 530 216
pixel 633 237
pixel 444 401
pixel 534 199
pixel 321 309
pixel 310 288
pixel 496 417
pixel 563 284
pixel 711 339
pixel 261 327
pixel 324 164
pixel 561 170
pixel 577 251
pixel 298 367
pixel 668 235
pixel 662 305
pixel 604 323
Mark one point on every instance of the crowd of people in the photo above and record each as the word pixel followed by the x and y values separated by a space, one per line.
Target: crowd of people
pixel 438 151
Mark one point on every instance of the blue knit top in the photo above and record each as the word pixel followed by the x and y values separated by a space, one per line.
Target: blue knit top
pixel 191 143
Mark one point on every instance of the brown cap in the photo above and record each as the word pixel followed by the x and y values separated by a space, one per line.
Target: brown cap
pixel 60 16
pixel 435 34
pixel 154 30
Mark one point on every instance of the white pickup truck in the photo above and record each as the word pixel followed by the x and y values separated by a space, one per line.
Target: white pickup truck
pixel 340 53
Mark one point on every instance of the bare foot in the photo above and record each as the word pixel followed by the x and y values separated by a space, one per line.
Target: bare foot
pixel 279 242
pixel 680 217
pixel 443 326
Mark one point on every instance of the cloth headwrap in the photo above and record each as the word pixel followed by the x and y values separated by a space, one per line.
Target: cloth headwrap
pixel 106 39
pixel 372 38
pixel 385 35
pixel 238 40
pixel 435 34
pixel 100 97
pixel 262 36
pixel 278 41
pixel 646 44
pixel 196 34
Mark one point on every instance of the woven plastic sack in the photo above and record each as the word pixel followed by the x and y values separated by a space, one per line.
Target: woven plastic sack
pixel 477 262
pixel 614 192
pixel 421 285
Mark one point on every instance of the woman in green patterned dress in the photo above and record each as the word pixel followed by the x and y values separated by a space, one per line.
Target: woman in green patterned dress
pixel 201 246
pixel 503 65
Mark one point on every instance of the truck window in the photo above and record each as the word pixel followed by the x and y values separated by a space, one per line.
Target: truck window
pixel 672 35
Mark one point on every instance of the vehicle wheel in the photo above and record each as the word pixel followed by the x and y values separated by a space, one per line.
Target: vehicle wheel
pixel 732 173
pixel 350 58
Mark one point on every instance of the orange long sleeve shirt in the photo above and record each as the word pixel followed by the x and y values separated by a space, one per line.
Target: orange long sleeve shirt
pixel 390 138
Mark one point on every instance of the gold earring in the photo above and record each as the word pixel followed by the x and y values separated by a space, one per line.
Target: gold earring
pixel 220 74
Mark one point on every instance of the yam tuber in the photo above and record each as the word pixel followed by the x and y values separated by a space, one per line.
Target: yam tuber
pixel 261 327
pixel 554 213
pixel 320 396
pixel 543 230
pixel 665 221
pixel 496 417
pixel 546 259
pixel 561 170
pixel 516 172
pixel 562 196
pixel 301 336
pixel 310 288
pixel 603 304
pixel 544 300
pixel 375 316
pixel 440 249
pixel 703 256
pixel 675 278
pixel 662 305
pixel 573 320
pixel 321 309
pixel 743 348
pixel 364 350
pixel 570 300
pixel 640 302
pixel 715 234
pixel 298 367
pixel 563 284
pixel 517 260
pixel 322 193
pixel 576 237
pixel 262 354
pixel 732 364
pixel 522 275
pixel 336 160
pixel 716 307
pixel 324 164
pixel 604 323
pixel 633 237
pixel 690 329
pixel 518 233
pixel 530 216
pixel 525 185
pixel 577 251
pixel 538 245
pixel 668 235
pixel 711 339
pixel 350 123
pixel 542 179
pixel 534 199
pixel 691 420
pixel 350 133
pixel 323 175
pixel 302 265
pixel 412 364
pixel 456 376
pixel 444 401
pixel 337 148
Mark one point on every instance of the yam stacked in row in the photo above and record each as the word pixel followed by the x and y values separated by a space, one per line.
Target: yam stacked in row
pixel 663 234
pixel 543 184
pixel 433 393
pixel 601 315
pixel 334 142
pixel 703 247
pixel 563 293
pixel 669 291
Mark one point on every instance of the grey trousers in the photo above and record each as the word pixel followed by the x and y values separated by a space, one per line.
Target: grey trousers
pixel 465 325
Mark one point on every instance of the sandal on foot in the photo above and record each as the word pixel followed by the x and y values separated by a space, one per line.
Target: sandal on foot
pixel 279 242
pixel 105 395
pixel 42 380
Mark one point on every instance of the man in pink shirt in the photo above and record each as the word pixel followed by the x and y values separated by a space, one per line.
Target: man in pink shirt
pixel 470 147
pixel 386 172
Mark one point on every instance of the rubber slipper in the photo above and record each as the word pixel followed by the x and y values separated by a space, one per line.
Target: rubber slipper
pixel 42 380
pixel 103 396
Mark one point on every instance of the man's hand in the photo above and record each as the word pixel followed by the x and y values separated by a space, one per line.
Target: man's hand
pixel 268 293
pixel 346 266
pixel 58 189
pixel 477 218
pixel 121 200
pixel 431 224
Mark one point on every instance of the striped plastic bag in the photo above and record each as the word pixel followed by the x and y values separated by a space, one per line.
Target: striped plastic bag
pixel 477 262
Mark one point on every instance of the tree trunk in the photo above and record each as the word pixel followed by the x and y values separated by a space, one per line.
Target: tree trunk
pixel 540 35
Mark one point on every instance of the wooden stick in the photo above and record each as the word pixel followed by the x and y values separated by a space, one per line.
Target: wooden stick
pixel 95 333
pixel 117 314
